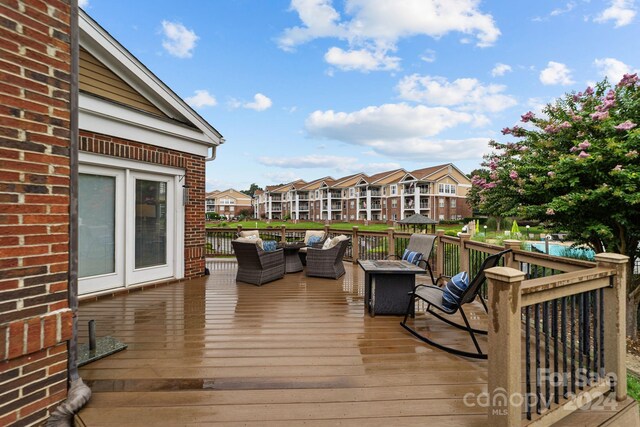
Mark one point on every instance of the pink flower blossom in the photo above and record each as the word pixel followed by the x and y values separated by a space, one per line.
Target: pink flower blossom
pixel 506 131
pixel 513 175
pixel 564 125
pixel 493 164
pixel 573 149
pixel 584 145
pixel 490 185
pixel 576 118
pixel 494 175
pixel 628 80
pixel 588 91
pixel 618 168
pixel 523 148
pixel 550 129
pixel 628 125
pixel 611 95
pixel 551 174
pixel 550 211
pixel 582 155
pixel 599 115
pixel 632 154
pixel 527 117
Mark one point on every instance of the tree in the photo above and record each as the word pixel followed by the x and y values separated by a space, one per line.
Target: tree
pixel 577 169
pixel 252 189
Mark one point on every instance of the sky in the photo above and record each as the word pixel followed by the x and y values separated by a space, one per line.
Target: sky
pixel 313 88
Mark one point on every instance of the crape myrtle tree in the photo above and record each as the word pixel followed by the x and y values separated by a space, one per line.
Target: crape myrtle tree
pixel 577 169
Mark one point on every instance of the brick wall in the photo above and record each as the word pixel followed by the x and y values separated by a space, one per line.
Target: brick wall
pixel 35 321
pixel 194 166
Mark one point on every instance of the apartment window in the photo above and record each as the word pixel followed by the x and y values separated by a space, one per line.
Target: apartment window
pixel 384 217
pixel 395 217
pixel 352 191
pixel 452 203
pixel 352 217
pixel 446 189
pixel 317 194
pixel 352 204
pixel 441 203
pixel 441 217
pixel 453 217
pixel 384 191
pixel 394 203
pixel 393 189
pixel 232 208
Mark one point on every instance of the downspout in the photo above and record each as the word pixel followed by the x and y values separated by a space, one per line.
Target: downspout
pixel 213 152
pixel 78 394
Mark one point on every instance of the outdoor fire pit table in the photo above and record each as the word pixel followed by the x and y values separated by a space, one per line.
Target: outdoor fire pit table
pixel 292 263
pixel 387 285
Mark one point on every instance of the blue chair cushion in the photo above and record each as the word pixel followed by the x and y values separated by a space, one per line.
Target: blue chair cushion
pixel 313 240
pixel 412 257
pixel 454 289
pixel 269 245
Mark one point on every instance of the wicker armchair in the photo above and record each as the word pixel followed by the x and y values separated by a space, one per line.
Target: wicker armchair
pixel 309 233
pixel 327 262
pixel 256 266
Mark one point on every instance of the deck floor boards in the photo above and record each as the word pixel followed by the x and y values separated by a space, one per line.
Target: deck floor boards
pixel 297 351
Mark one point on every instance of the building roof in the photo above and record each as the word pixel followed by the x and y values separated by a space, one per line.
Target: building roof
pixel 424 172
pixel 348 181
pixel 314 185
pixel 104 47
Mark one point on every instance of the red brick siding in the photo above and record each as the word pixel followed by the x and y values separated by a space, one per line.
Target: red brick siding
pixel 194 227
pixel 35 321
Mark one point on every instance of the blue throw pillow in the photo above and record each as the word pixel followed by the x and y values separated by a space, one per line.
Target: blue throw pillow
pixel 412 257
pixel 269 245
pixel 454 289
pixel 313 240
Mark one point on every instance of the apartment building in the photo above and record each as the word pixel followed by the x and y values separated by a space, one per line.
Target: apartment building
pixel 438 192
pixel 228 203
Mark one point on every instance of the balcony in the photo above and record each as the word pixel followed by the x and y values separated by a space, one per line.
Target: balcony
pixel 303 207
pixel 376 206
pixel 336 206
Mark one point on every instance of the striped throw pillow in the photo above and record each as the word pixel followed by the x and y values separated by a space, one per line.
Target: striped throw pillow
pixel 454 289
pixel 412 257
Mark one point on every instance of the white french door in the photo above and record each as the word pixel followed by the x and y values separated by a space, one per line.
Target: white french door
pixel 129 229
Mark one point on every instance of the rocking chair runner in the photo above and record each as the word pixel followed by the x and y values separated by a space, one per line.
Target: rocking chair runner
pixel 433 296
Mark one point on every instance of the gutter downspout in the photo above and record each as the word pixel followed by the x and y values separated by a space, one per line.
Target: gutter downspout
pixel 78 394
pixel 213 152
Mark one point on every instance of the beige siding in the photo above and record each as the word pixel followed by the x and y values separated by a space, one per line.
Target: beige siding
pixel 97 79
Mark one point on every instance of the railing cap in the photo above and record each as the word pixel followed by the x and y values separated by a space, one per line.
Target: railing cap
pixel 511 242
pixel 505 274
pixel 611 258
pixel 440 232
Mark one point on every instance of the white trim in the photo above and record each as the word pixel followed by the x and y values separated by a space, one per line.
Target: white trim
pixel 107 49
pixel 100 116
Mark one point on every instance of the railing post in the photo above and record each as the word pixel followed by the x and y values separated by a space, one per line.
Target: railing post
pixel 615 344
pixel 439 253
pixel 465 264
pixel 509 259
pixel 326 230
pixel 505 339
pixel 391 239
pixel 283 233
pixel 355 245
pixel 239 229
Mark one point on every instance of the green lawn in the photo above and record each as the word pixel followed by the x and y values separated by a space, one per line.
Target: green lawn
pixel 633 386
pixel 311 225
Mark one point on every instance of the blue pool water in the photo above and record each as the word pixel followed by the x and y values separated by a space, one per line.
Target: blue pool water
pixel 566 251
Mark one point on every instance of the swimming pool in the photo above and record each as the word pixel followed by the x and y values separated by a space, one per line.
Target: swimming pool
pixel 565 251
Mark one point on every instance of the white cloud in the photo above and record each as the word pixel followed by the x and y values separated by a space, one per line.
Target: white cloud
pixel 361 60
pixel 260 103
pixel 179 41
pixel 398 131
pixel 556 73
pixel 500 70
pixel 373 168
pixel 621 12
pixel 83 3
pixel 612 69
pixel 467 93
pixel 202 98
pixel 311 161
pixel 281 176
pixel 372 28
pixel 568 8
pixel 429 55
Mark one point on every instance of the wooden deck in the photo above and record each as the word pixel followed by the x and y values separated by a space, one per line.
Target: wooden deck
pixel 292 352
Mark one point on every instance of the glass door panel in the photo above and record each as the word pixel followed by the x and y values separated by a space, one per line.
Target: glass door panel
pixel 150 223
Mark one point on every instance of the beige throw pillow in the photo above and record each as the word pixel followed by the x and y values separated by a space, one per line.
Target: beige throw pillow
pixel 250 239
pixel 337 240
pixel 310 233
pixel 250 233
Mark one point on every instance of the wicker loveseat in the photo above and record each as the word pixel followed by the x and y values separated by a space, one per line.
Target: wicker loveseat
pixel 327 262
pixel 256 266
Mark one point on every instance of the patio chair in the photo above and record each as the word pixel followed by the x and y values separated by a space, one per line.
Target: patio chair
pixel 318 237
pixel 422 244
pixel 327 262
pixel 257 266
pixel 433 296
